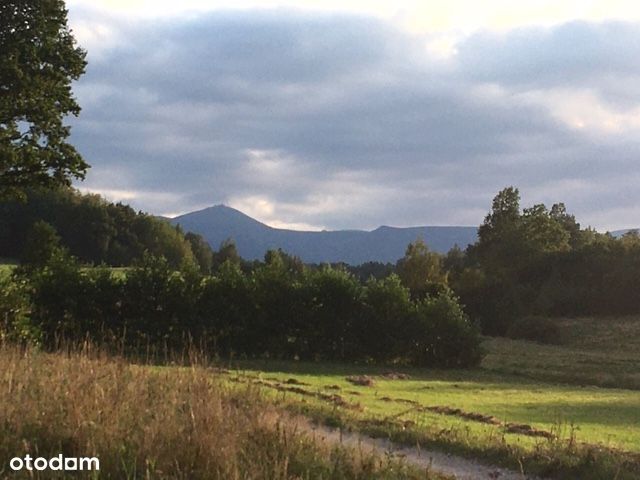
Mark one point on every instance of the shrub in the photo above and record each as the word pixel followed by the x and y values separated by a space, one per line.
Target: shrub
pixel 57 294
pixel 226 310
pixel 332 307
pixel 14 312
pixel 443 335
pixel 159 303
pixel 386 314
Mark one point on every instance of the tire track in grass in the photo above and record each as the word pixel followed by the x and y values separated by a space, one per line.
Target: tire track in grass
pixel 456 467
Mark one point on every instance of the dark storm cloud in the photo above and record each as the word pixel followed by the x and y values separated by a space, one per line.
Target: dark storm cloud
pixel 342 121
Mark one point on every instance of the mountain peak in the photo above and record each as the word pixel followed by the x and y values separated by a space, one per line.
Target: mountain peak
pixel 253 238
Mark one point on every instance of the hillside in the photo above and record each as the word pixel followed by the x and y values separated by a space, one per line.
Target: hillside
pixel 384 244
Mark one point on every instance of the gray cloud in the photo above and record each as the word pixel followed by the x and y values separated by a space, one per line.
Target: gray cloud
pixel 345 122
pixel 578 54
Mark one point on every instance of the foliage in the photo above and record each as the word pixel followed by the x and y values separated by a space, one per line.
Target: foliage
pixel 42 244
pixel 279 309
pixel 539 262
pixel 201 250
pixel 96 231
pixel 38 61
pixel 57 292
pixel 444 335
pixel 387 311
pixel 332 314
pixel 420 270
pixel 15 324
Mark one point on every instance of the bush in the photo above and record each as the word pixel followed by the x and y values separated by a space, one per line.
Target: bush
pixel 332 307
pixel 443 335
pixel 14 312
pixel 57 292
pixel 387 311
pixel 226 310
pixel 275 311
pixel 159 303
pixel 536 329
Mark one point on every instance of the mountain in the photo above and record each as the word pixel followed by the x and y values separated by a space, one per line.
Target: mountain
pixel 619 233
pixel 253 238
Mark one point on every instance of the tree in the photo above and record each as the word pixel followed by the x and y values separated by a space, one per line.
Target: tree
pixel 201 251
pixel 41 245
pixel 227 252
pixel 38 61
pixel 420 270
pixel 502 224
pixel 543 231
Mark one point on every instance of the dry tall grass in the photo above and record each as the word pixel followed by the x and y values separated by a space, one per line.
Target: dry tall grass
pixel 156 422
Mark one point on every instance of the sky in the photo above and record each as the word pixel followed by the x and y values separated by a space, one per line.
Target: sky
pixel 326 114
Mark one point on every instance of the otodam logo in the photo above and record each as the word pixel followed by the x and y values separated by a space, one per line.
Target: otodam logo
pixel 58 463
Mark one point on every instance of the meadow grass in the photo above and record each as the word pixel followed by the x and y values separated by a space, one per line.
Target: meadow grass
pixel 145 422
pixel 602 352
pixel 531 406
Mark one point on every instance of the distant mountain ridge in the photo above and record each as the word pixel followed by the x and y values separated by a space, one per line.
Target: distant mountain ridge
pixel 253 238
pixel 619 233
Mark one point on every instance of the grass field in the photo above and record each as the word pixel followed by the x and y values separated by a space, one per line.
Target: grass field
pixel 143 422
pixel 526 402
pixel 602 352
pixel 569 411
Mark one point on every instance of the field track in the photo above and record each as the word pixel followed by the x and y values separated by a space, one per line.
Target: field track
pixel 431 460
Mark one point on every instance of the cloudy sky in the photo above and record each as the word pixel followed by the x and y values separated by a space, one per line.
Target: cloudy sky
pixel 353 114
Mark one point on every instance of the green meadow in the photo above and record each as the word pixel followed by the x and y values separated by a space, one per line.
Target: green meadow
pixel 541 408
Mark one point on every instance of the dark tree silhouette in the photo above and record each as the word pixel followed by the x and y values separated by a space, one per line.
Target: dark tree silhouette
pixel 39 59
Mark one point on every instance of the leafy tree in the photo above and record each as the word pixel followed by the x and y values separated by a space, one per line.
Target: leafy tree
pixel 454 261
pixel 576 235
pixel 367 270
pixel 57 292
pixel 14 312
pixel 227 311
pixel 201 251
pixel 504 215
pixel 387 310
pixel 42 244
pixel 442 334
pixel 38 61
pixel 93 229
pixel 543 232
pixel 227 252
pixel 332 309
pixel 278 317
pixel 420 270
pixel 500 236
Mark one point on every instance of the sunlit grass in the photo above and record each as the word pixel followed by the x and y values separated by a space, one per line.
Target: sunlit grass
pixel 553 390
pixel 168 423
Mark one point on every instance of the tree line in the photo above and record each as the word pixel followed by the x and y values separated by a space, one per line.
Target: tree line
pixel 535 261
pixel 96 231
pixel 277 309
pixel 539 261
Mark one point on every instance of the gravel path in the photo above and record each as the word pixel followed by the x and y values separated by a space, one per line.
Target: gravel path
pixel 457 467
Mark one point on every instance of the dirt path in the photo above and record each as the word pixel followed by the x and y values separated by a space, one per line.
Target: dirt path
pixel 457 467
